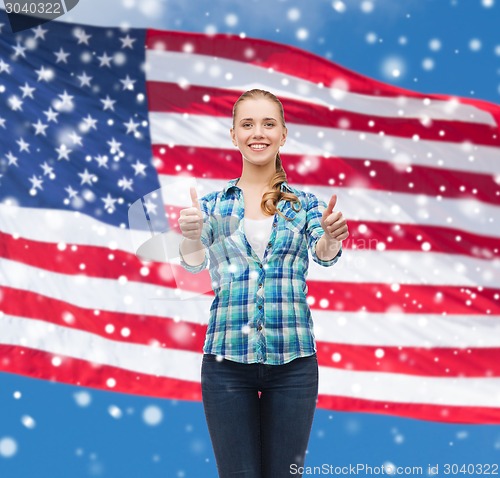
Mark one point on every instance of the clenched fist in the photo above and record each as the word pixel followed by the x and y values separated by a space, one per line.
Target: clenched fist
pixel 191 219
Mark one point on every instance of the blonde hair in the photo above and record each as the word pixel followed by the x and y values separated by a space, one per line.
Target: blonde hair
pixel 271 198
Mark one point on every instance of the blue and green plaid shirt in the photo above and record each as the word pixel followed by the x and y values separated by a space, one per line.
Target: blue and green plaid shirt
pixel 260 313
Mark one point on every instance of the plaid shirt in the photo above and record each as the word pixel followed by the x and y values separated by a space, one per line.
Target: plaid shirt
pixel 260 313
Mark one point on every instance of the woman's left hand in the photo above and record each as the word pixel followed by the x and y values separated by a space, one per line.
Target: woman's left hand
pixel 333 223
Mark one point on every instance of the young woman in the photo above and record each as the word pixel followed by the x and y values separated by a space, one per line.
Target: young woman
pixel 259 373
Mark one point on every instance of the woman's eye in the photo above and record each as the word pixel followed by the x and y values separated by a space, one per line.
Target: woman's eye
pixel 247 125
pixel 269 124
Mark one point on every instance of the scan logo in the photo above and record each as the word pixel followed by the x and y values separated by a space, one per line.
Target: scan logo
pixel 24 14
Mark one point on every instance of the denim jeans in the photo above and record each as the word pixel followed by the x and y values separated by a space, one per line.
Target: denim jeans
pixel 259 437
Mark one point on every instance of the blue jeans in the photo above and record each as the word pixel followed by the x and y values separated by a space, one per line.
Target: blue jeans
pixel 259 437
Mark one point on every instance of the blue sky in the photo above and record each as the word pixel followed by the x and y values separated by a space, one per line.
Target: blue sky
pixel 50 430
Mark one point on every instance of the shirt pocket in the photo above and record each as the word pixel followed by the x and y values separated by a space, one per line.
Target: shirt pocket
pixel 297 224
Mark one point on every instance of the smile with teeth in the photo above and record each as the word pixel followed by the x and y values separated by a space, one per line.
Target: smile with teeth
pixel 258 146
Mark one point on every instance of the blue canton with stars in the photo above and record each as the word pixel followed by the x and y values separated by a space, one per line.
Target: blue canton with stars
pixel 74 130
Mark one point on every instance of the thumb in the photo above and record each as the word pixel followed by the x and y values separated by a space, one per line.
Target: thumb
pixel 194 198
pixel 331 205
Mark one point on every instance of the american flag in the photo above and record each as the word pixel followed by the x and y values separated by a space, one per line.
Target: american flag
pixel 96 120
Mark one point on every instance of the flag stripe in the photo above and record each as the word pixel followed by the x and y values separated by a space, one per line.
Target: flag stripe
pixel 187 58
pixel 362 204
pixel 214 101
pixel 395 267
pixel 83 373
pixel 458 360
pixel 185 365
pixel 346 172
pixel 453 332
pixel 209 132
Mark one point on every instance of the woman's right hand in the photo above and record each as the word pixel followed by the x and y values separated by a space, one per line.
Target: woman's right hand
pixel 191 219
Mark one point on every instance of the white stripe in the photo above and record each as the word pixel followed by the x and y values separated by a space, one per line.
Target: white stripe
pixel 360 265
pixel 361 204
pixel 184 365
pixel 390 329
pixel 393 388
pixel 212 72
pixel 213 132
pixel 394 329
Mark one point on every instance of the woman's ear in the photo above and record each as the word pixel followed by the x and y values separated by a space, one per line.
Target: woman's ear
pixel 283 138
pixel 233 136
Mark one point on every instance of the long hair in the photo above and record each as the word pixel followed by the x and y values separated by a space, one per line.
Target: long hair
pixel 271 198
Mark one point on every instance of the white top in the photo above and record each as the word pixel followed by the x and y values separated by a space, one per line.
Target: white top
pixel 258 232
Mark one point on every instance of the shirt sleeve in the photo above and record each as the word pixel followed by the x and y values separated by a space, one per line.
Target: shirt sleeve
pixel 315 208
pixel 206 238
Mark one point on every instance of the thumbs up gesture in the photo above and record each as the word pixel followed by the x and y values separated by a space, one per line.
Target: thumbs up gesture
pixel 333 223
pixel 191 218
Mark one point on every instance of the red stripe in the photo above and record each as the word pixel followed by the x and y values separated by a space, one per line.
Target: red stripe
pixel 292 61
pixel 421 411
pixel 167 333
pixel 172 98
pixel 144 329
pixel 38 364
pixel 342 296
pixel 342 173
pixel 436 361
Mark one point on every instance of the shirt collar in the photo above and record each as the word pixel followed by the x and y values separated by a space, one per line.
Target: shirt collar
pixel 232 184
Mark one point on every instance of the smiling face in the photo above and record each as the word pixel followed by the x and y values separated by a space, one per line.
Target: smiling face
pixel 258 130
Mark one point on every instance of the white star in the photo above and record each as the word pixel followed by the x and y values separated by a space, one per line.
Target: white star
pixel 150 207
pixel 61 56
pixel 105 60
pixel 11 159
pixel 127 42
pixel 63 152
pixel 84 79
pixel 87 178
pixel 139 168
pixel 109 203
pixel 23 146
pixel 27 90
pixel 114 146
pixel 19 50
pixel 2 123
pixel 131 126
pixel 66 103
pixel 51 115
pixel 45 74
pixel 75 138
pixel 128 83
pixel 36 182
pixel 108 103
pixel 40 128
pixel 82 36
pixel 47 170
pixel 4 66
pixel 125 183
pixel 39 32
pixel 102 161
pixel 72 193
pixel 15 103
pixel 88 123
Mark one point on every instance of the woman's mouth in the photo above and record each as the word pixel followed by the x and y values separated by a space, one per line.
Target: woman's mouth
pixel 258 146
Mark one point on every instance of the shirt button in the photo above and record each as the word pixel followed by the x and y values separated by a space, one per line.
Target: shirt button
pixel 260 307
pixel 260 285
pixel 259 327
pixel 269 244
pixel 260 265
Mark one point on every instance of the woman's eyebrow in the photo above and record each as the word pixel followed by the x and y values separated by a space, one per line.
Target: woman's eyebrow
pixel 263 119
